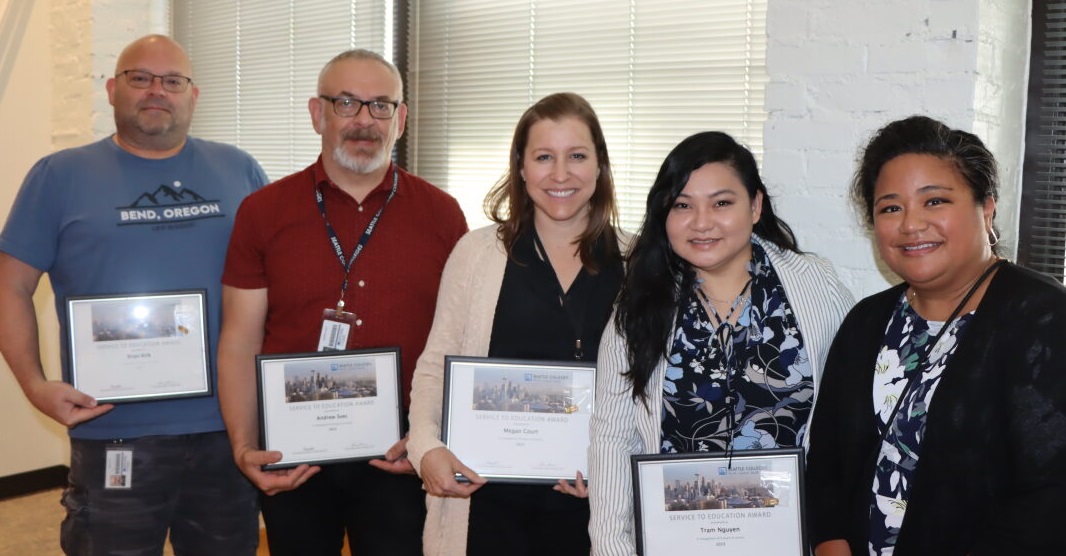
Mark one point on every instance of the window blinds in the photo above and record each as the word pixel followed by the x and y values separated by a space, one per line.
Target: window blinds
pixel 257 62
pixel 655 72
pixel 1042 234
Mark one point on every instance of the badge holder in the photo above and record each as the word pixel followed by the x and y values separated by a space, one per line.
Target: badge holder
pixel 336 325
pixel 118 467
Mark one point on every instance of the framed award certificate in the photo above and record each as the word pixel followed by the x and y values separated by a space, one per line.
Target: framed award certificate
pixel 516 420
pixel 749 503
pixel 137 347
pixel 328 407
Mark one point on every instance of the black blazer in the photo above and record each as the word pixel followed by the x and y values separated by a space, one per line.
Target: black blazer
pixel 991 478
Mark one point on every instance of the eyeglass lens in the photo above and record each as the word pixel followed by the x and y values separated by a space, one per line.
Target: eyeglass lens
pixel 143 80
pixel 349 107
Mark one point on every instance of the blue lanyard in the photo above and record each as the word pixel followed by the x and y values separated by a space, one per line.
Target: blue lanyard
pixel 347 263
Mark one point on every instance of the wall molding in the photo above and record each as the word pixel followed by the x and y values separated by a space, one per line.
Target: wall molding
pixel 33 481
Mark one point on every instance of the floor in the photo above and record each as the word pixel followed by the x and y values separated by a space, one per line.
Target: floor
pixel 29 526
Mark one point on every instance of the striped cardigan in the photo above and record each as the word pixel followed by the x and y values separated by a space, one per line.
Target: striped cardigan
pixel 622 427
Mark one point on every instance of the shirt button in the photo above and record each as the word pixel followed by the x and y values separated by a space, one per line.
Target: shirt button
pixel 359 322
pixel 360 208
pixel 362 284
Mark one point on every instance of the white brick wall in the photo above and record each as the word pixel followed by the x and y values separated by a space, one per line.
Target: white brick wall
pixel 116 23
pixel 1000 99
pixel 840 69
pixel 71 53
pixel 87 36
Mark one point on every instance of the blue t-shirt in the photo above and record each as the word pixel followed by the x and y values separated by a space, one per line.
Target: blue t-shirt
pixel 100 220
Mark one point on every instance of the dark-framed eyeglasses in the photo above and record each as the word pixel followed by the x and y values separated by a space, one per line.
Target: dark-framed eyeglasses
pixel 139 79
pixel 350 107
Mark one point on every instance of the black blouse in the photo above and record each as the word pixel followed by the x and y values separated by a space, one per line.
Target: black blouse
pixel 532 323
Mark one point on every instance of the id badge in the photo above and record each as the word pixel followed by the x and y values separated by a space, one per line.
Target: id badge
pixel 336 324
pixel 118 468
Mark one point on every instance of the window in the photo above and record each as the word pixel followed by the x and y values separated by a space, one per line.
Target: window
pixel 1042 233
pixel 654 71
pixel 257 62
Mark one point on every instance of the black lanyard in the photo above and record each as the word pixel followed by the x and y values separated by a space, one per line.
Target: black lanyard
pixel 576 318
pixel 923 355
pixel 347 263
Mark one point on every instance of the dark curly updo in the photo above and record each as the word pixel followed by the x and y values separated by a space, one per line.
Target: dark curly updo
pixel 924 135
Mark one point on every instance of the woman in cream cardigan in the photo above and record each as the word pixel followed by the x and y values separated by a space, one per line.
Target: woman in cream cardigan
pixel 539 284
pixel 721 330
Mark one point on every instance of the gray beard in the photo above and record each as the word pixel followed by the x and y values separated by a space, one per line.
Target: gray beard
pixel 367 166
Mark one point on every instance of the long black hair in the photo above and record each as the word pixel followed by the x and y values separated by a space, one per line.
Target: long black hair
pixel 655 275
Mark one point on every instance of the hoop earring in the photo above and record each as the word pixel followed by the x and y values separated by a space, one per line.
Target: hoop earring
pixel 994 238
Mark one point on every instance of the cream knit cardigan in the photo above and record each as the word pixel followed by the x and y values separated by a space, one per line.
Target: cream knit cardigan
pixel 462 325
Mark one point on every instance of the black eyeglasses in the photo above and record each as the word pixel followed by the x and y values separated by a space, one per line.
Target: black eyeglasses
pixel 350 107
pixel 142 80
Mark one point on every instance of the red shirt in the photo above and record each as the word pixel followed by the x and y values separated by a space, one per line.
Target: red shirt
pixel 280 242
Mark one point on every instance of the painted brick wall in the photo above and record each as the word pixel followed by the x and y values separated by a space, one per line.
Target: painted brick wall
pixel 87 37
pixel 1000 99
pixel 840 69
pixel 72 86
pixel 116 23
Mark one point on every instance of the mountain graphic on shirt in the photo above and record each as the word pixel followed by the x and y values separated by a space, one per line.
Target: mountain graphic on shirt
pixel 168 205
pixel 166 195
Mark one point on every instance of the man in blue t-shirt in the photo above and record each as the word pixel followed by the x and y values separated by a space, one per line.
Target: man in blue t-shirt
pixel 147 211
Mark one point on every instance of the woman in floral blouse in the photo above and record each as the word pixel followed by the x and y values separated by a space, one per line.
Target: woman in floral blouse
pixel 941 425
pixel 720 333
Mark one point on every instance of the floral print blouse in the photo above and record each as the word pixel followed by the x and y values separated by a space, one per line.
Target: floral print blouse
pixel 737 387
pixel 906 339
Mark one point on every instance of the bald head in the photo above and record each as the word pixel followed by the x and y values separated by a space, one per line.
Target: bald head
pixel 153 45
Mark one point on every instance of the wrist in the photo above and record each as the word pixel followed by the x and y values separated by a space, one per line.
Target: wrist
pixel 31 381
